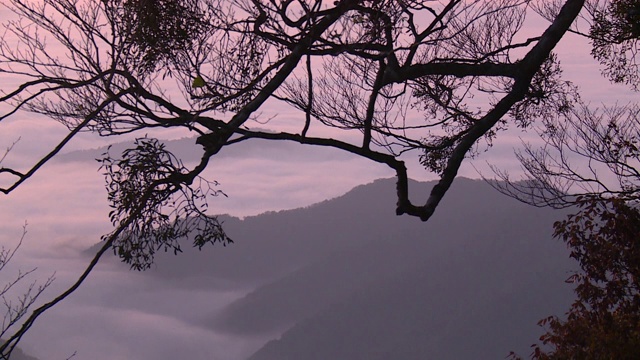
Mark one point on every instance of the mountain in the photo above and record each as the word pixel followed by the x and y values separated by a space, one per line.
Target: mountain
pixel 347 279
pixel 274 244
pixel 18 354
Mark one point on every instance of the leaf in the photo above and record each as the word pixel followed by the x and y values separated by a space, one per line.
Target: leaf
pixel 198 82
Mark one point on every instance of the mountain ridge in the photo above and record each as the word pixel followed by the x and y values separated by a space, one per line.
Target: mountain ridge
pixel 497 244
pixel 346 278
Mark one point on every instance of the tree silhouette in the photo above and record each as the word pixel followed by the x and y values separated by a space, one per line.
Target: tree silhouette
pixel 604 320
pixel 613 27
pixel 590 161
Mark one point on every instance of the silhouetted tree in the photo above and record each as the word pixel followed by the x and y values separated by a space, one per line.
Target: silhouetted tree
pixel 604 321
pixel 591 161
pixel 615 33
pixel 346 64
pixel 613 26
pixel 592 152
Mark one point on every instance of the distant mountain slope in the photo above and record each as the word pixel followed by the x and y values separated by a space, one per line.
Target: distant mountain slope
pixel 347 279
pixel 471 283
pixel 18 354
pixel 274 244
pixel 482 311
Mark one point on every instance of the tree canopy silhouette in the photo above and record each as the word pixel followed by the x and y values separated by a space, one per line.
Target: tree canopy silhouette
pixel 604 320
pixel 591 161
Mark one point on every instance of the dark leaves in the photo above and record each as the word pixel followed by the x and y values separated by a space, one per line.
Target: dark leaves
pixel 151 197
pixel 604 321
pixel 615 33
pixel 157 30
pixel 548 96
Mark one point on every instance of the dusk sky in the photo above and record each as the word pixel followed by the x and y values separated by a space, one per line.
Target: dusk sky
pixel 65 207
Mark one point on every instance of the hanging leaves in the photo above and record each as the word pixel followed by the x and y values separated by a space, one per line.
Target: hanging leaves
pixel 147 196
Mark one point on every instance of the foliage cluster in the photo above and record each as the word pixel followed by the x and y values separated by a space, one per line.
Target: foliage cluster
pixel 615 33
pixel 156 31
pixel 604 320
pixel 157 219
